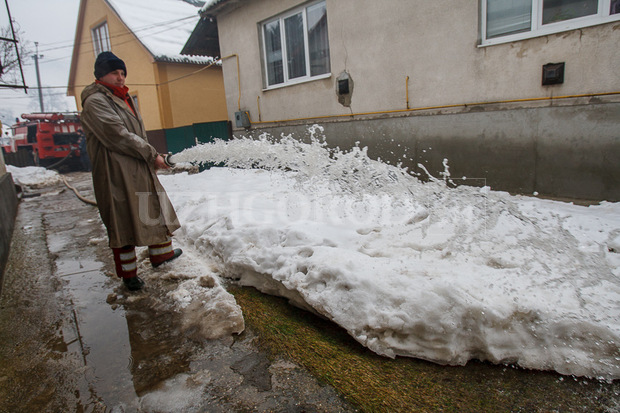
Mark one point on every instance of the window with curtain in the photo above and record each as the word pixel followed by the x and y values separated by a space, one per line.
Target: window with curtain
pixel 101 38
pixel 273 51
pixel 296 45
pixel 560 10
pixel 529 18
pixel 508 17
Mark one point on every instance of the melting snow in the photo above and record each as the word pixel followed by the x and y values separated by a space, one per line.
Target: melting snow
pixel 410 268
pixel 33 176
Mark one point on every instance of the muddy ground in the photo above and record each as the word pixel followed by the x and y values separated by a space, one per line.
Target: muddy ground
pixel 72 339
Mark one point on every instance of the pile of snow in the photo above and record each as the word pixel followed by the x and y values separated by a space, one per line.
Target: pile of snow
pixel 209 311
pixel 33 176
pixel 210 3
pixel 407 268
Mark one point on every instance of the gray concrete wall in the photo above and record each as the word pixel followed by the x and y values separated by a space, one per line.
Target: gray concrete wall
pixel 8 210
pixel 570 151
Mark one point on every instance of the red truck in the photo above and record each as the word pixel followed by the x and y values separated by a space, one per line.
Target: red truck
pixel 44 139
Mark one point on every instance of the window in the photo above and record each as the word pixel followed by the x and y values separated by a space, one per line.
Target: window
pixel 560 10
pixel 509 20
pixel 296 46
pixel 508 16
pixel 101 39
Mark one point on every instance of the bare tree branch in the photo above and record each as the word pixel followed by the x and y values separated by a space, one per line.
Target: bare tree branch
pixel 10 73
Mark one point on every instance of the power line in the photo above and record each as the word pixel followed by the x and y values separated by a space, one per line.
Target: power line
pixel 113 36
pixel 172 24
pixel 118 36
pixel 32 96
pixel 55 59
pixel 140 84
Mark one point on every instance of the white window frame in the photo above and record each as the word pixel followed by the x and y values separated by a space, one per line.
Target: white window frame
pixel 281 18
pixel 537 28
pixel 101 38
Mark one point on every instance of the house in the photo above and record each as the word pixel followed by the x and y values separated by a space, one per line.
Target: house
pixel 181 96
pixel 519 95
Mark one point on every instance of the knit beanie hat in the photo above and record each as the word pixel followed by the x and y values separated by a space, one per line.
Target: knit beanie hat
pixel 107 62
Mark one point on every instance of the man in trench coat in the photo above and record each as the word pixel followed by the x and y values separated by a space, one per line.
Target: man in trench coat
pixel 133 205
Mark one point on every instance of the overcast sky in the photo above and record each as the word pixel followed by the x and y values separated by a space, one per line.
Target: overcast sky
pixel 51 23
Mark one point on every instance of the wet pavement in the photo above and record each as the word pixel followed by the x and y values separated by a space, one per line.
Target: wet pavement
pixel 73 339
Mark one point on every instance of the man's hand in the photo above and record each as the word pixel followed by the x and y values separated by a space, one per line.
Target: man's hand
pixel 159 163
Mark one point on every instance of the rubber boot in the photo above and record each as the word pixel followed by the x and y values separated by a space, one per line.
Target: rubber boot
pixel 133 283
pixel 126 267
pixel 162 253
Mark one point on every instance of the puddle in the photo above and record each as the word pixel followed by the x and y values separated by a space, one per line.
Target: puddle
pixel 99 335
pixel 58 242
pixel 127 352
pixel 74 267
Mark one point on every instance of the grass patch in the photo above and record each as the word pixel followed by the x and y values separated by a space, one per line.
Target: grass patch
pixel 378 384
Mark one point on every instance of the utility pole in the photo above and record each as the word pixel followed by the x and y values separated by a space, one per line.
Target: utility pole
pixel 19 60
pixel 36 65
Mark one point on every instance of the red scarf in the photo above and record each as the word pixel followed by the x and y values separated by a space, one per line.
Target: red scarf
pixel 120 92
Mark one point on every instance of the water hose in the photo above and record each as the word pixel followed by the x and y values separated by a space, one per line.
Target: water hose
pixel 77 193
pixel 167 160
pixel 61 161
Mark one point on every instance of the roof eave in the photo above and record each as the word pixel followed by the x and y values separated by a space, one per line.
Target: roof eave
pixel 194 60
pixel 219 6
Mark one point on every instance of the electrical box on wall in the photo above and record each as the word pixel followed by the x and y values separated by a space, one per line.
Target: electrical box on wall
pixel 344 88
pixel 242 120
pixel 553 74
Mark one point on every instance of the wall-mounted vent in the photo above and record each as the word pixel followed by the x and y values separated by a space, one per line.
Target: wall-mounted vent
pixel 553 74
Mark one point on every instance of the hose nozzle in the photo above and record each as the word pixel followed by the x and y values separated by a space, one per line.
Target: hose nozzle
pixel 168 160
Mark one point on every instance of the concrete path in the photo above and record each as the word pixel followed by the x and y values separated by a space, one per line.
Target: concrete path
pixel 72 338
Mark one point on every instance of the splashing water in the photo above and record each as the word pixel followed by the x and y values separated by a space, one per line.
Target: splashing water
pixel 352 172
pixel 411 268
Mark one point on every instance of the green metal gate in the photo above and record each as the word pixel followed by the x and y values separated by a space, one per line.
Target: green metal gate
pixel 178 139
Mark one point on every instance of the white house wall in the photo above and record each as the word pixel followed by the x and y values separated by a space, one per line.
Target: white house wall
pixel 436 45
pixel 380 43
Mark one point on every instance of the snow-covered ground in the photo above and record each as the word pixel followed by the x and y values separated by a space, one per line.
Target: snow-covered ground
pixel 407 268
pixel 33 176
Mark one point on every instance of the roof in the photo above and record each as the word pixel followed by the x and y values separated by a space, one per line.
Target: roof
pixel 213 7
pixel 204 40
pixel 210 4
pixel 162 26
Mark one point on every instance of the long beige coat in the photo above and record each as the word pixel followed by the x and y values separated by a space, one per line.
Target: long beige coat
pixel 132 203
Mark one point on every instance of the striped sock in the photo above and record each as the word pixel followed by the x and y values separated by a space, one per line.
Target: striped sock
pixel 159 253
pixel 125 261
